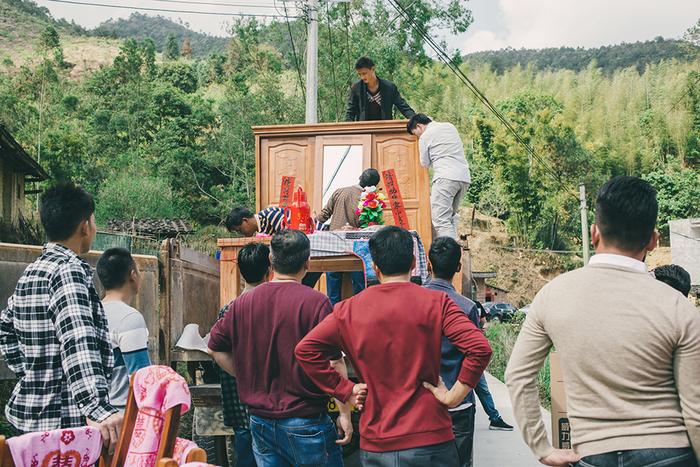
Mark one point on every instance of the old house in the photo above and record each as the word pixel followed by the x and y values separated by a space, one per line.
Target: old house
pixel 17 169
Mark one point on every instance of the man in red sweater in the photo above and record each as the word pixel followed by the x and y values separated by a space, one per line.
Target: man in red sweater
pixel 392 334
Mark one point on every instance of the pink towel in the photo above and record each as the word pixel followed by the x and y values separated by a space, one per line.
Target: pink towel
pixel 182 449
pixel 75 447
pixel 156 389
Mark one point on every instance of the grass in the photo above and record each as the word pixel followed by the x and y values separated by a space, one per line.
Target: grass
pixel 502 337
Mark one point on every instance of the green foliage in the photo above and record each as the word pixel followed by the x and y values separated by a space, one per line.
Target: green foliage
pixel 127 197
pixel 183 127
pixel 608 58
pixel 49 38
pixel 172 50
pixel 678 192
pixel 502 337
pixel 158 28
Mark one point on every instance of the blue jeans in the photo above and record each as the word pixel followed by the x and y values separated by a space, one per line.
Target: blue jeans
pixel 243 446
pixel 486 399
pixel 666 457
pixel 295 442
pixel 334 284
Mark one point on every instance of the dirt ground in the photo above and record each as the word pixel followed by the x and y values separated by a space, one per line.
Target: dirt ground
pixel 522 272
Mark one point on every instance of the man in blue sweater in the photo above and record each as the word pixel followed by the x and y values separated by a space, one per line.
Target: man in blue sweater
pixel 446 260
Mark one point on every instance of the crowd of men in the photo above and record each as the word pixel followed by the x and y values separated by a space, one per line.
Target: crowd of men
pixel 629 343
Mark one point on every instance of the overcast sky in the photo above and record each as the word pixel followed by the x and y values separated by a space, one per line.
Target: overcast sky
pixel 497 23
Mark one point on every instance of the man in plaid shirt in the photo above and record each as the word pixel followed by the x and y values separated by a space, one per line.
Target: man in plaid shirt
pixel 53 333
pixel 254 264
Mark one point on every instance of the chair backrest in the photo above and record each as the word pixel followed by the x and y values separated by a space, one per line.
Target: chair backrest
pixel 171 424
pixel 195 455
pixel 5 454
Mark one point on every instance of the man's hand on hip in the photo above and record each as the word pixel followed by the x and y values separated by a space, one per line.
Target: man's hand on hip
pixel 359 395
pixel 450 398
pixel 109 428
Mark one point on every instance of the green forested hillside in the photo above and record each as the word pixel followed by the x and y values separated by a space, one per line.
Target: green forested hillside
pixel 609 58
pixel 139 26
pixel 171 137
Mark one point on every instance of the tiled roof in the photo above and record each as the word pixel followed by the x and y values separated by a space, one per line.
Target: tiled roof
pixel 151 227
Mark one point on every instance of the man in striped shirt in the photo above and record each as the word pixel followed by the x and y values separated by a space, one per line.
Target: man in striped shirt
pixel 242 220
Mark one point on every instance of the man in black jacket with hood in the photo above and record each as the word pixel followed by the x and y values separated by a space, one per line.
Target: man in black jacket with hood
pixel 373 98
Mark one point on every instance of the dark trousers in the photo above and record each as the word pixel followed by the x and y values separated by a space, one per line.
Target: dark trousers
pixel 463 428
pixel 334 284
pixel 243 446
pixel 311 278
pixel 437 455
pixel 664 457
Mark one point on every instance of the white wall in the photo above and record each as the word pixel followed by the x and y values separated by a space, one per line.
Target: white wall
pixel 685 246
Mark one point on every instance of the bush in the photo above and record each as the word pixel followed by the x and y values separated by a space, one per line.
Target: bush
pixel 128 196
pixel 502 337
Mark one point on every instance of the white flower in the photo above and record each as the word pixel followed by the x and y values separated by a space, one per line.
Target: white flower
pixel 370 189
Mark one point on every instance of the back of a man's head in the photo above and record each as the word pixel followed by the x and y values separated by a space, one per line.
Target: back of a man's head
pixel 392 250
pixel 62 208
pixel 114 268
pixel 236 216
pixel 254 262
pixel 369 177
pixel 290 251
pixel 626 211
pixel 675 276
pixel 445 256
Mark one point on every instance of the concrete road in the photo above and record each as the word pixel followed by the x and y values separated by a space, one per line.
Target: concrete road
pixel 501 448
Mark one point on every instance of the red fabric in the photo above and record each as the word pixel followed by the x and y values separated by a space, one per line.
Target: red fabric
pixel 392 335
pixel 261 328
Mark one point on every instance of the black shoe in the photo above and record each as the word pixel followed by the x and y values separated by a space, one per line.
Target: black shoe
pixel 500 425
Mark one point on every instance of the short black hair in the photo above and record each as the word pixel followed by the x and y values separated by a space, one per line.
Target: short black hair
pixel 369 177
pixel 675 276
pixel 392 250
pixel 236 216
pixel 62 208
pixel 290 251
pixel 254 262
pixel 415 120
pixel 364 62
pixel 114 267
pixel 626 211
pixel 445 256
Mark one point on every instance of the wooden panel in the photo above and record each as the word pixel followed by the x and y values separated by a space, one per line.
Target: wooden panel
pixel 400 152
pixel 335 128
pixel 280 157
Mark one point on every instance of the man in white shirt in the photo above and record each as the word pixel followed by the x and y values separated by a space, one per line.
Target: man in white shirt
pixel 128 333
pixel 441 148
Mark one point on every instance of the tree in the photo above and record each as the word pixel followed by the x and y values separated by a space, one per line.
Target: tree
pixel 172 51
pixel 49 38
pixel 186 50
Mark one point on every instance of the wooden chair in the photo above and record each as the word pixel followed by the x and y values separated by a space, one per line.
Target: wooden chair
pixel 195 455
pixel 5 454
pixel 171 424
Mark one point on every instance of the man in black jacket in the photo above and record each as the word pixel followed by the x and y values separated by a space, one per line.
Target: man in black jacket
pixel 373 98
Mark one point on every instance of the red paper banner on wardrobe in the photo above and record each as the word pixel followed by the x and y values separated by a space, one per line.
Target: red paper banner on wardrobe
pixel 395 200
pixel 286 191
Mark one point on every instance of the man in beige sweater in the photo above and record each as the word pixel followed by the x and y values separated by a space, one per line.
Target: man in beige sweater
pixel 629 346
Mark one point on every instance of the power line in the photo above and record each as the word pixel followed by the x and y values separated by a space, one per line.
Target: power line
pixel 442 55
pixel 687 91
pixel 191 2
pixel 294 51
pixel 165 10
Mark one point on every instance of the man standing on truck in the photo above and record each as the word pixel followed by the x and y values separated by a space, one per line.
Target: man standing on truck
pixel 53 332
pixel 372 97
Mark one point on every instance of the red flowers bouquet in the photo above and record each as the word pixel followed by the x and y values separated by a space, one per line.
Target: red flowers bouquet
pixel 371 206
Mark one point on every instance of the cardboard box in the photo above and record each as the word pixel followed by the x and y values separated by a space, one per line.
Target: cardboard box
pixel 561 429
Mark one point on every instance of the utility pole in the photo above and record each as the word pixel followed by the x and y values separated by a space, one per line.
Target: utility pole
pixel 584 224
pixel 312 64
